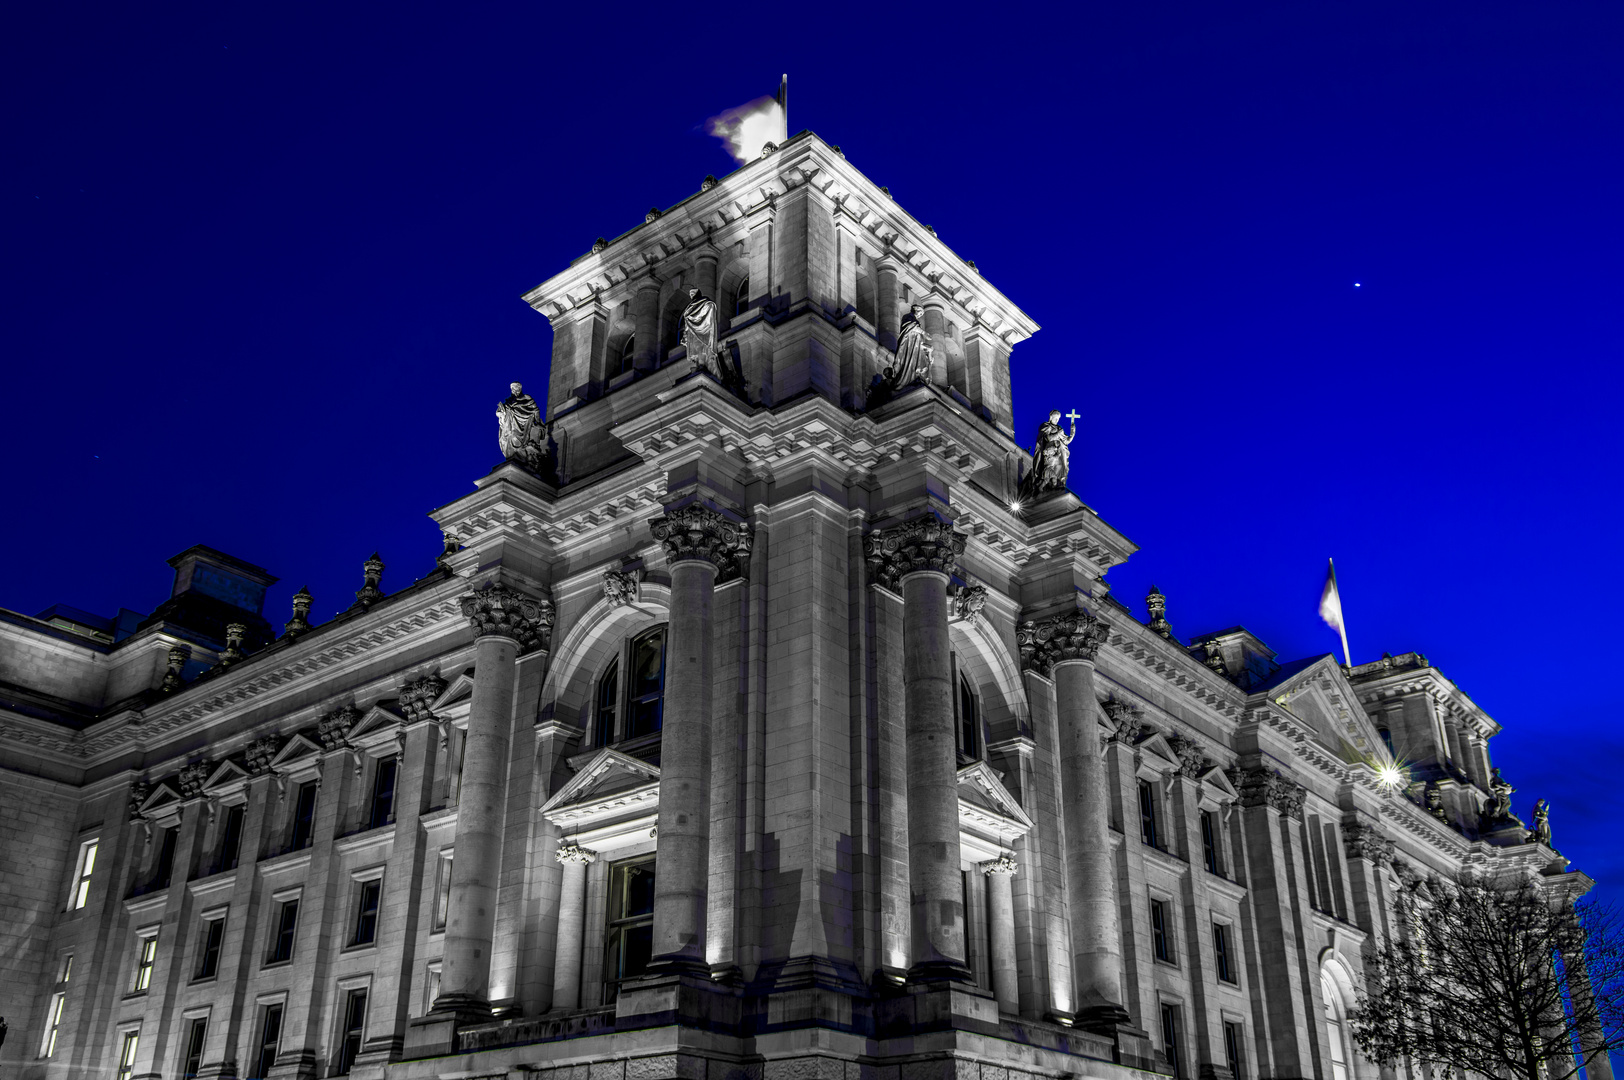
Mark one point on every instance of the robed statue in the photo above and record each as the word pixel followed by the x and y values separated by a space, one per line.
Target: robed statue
pixel 1541 833
pixel 913 351
pixel 1498 805
pixel 699 331
pixel 1051 457
pixel 520 430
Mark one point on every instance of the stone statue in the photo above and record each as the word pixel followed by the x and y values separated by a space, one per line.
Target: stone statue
pixel 1051 457
pixel 913 351
pixel 1498 806
pixel 1541 833
pixel 521 432
pixel 699 330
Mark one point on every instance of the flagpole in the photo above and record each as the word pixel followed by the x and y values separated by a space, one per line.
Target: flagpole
pixel 1347 657
pixel 783 99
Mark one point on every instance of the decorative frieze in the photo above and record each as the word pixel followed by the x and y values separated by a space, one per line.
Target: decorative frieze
pixel 1004 864
pixel 924 543
pixel 571 852
pixel 620 587
pixel 497 610
pixel 696 532
pixel 333 728
pixel 1265 787
pixel 417 696
pixel 1367 842
pixel 1073 636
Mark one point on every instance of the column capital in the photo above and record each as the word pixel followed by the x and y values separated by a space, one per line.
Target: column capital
pixel 698 533
pixel 1265 787
pixel 571 852
pixel 1368 842
pixel 501 611
pixel 1073 636
pixel 924 543
pixel 1004 864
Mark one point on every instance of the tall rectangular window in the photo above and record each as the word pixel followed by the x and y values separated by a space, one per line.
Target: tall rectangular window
pixel 383 793
pixel 603 725
pixel 270 1038
pixel 165 868
pixel 1147 814
pixel 1220 952
pixel 87 865
pixel 645 701
pixel 431 987
pixel 366 912
pixel 126 1054
pixel 355 1019
pixel 1232 1050
pixel 230 840
pixel 208 956
pixel 969 720
pixel 304 816
pixel 442 891
pixel 629 937
pixel 53 1023
pixel 1209 842
pixel 1161 930
pixel 287 921
pixel 146 955
pixel 196 1034
pixel 1170 1040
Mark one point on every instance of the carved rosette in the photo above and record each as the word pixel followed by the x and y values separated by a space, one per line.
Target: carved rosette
pixel 919 544
pixel 1368 842
pixel 417 696
pixel 700 534
pixel 1004 864
pixel 499 611
pixel 1193 760
pixel 1129 722
pixel 257 755
pixel 571 852
pixel 1265 787
pixel 191 779
pixel 968 602
pixel 1074 636
pixel 333 728
pixel 620 587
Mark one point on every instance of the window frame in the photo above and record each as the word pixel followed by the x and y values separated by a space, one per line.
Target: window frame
pixel 1211 846
pixel 1172 1037
pixel 1149 824
pixel 84 872
pixel 197 1038
pixel 367 882
pixel 146 959
pixel 298 822
pixel 969 739
pixel 211 921
pixel 352 1032
pixel 741 296
pixel 617 927
pixel 278 1008
pixel 1234 1047
pixel 392 761
pixel 1223 954
pixel 622 669
pixel 229 856
pixel 288 898
pixel 1162 941
pixel 442 891
pixel 129 1043
pixel 53 1023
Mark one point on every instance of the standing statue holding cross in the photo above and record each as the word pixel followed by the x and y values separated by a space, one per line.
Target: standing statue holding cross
pixel 1051 457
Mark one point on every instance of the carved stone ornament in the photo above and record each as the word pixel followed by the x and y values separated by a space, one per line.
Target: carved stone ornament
pixel 178 655
pixel 301 614
pixel 968 602
pixel 1215 658
pixel 769 147
pixel 333 728
pixel 1368 842
pixel 138 795
pixel 1129 721
pixel 620 587
pixel 452 546
pixel 1004 864
pixel 1156 604
pixel 696 532
pixel 707 183
pixel 191 779
pixel 1074 636
pixel 1435 801
pixel 497 610
pixel 599 244
pixel 1193 760
pixel 1497 810
pixel 924 543
pixel 1265 787
pixel 257 755
pixel 653 214
pixel 371 573
pixel 571 852
pixel 234 636
pixel 1051 457
pixel 417 696
pixel 522 434
pixel 1541 833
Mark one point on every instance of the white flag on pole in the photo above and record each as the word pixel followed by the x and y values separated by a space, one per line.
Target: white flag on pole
pixel 1331 609
pixel 754 124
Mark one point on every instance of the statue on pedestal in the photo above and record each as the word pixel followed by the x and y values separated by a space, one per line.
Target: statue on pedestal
pixel 699 330
pixel 1051 457
pixel 1541 833
pixel 1498 807
pixel 912 367
pixel 521 432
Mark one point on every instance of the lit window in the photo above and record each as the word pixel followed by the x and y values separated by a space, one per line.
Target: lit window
pixel 87 864
pixel 126 1054
pixel 287 921
pixel 145 957
pixel 208 960
pixel 1220 952
pixel 1161 930
pixel 366 912
pixel 355 1019
pixel 53 1023
pixel 1335 1029
pixel 1232 1050
pixel 196 1035
pixel 1147 814
pixel 383 793
pixel 630 933
pixel 442 892
pixel 270 1038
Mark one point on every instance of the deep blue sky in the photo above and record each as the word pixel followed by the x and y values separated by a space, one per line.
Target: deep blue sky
pixel 262 268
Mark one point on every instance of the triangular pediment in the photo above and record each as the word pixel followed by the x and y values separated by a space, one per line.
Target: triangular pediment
pixel 603 773
pixel 298 747
pixel 1156 750
pixel 227 776
pixel 979 786
pixel 1218 781
pixel 1322 698
pixel 378 724
pixel 162 794
pixel 458 691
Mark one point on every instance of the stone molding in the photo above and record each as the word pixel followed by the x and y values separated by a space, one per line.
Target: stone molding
pixel 1265 787
pixel 921 544
pixel 1073 636
pixel 500 611
pixel 1368 842
pixel 1004 864
pixel 698 533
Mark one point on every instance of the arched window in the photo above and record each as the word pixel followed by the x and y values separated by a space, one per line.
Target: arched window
pixel 741 296
pixel 603 726
pixel 1336 1028
pixel 623 363
pixel 631 707
pixel 969 727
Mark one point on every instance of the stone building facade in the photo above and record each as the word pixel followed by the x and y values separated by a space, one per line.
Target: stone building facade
pixel 754 725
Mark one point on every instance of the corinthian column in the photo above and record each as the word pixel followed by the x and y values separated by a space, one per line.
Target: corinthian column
pixel 506 624
pixel 1064 647
pixel 571 924
pixel 700 545
pixel 1001 917
pixel 917 558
